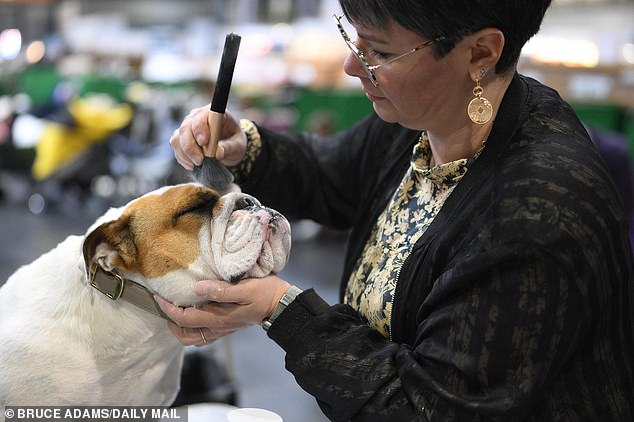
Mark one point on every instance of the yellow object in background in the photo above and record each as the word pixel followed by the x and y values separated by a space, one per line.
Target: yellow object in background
pixel 95 118
pixel 99 113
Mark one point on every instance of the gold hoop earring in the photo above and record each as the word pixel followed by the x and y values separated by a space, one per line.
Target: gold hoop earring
pixel 480 109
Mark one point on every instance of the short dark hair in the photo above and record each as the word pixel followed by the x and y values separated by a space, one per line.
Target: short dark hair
pixel 518 20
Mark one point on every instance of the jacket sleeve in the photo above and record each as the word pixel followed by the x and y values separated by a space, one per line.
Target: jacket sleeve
pixel 317 177
pixel 487 343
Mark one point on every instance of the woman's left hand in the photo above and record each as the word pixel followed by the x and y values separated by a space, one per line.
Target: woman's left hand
pixel 230 308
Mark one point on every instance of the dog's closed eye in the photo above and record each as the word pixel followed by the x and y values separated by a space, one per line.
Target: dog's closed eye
pixel 202 204
pixel 201 207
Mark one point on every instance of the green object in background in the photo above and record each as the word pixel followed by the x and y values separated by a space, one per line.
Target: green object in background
pixel 38 82
pixel 330 110
pixel 628 130
pixel 610 117
pixel 604 116
pixel 102 84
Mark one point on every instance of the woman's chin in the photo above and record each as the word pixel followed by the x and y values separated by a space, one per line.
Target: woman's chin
pixel 387 115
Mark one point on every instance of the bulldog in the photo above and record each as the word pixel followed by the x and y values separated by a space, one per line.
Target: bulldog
pixel 79 325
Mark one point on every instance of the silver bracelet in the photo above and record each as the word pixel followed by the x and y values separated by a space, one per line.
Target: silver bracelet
pixel 285 300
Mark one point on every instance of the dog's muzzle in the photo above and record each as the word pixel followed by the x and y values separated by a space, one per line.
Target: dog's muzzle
pixel 256 240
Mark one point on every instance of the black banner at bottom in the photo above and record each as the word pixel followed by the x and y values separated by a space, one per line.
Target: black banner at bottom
pixel 94 413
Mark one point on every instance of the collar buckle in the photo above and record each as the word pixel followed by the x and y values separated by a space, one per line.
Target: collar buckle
pixel 118 280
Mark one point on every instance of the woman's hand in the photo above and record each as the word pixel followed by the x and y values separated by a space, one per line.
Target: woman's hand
pixel 188 140
pixel 230 307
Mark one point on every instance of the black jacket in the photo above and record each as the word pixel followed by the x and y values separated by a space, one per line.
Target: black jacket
pixel 515 304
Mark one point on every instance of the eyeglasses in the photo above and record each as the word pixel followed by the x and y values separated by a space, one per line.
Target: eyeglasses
pixel 371 69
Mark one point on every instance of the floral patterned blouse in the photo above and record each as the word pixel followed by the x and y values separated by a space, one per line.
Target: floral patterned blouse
pixel 415 203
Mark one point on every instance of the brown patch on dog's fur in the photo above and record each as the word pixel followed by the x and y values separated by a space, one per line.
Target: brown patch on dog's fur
pixel 157 234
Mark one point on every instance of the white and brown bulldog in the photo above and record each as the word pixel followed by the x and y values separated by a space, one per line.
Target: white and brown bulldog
pixel 91 334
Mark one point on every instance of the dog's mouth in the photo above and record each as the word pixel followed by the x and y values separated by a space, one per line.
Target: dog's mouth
pixel 275 245
pixel 256 243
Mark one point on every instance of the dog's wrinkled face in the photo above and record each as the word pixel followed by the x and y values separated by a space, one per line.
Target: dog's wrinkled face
pixel 173 237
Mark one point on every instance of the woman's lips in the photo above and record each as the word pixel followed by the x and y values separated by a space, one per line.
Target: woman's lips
pixel 373 98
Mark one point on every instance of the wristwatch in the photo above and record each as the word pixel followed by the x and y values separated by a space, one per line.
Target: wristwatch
pixel 285 300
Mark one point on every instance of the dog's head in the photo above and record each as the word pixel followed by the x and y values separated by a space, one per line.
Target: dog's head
pixel 169 239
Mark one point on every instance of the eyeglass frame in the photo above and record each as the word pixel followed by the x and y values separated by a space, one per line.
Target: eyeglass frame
pixel 370 69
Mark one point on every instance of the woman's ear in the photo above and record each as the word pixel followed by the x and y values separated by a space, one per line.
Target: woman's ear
pixel 486 47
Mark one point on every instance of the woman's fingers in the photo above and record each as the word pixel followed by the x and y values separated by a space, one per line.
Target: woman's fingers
pixel 184 317
pixel 221 291
pixel 193 134
pixel 199 125
pixel 230 308
pixel 196 336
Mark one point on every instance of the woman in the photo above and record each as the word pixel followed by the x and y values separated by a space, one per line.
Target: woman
pixel 488 274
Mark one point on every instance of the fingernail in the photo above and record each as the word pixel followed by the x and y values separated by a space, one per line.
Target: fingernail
pixel 161 301
pixel 220 153
pixel 201 288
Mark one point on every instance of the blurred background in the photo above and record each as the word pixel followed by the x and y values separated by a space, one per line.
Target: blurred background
pixel 90 91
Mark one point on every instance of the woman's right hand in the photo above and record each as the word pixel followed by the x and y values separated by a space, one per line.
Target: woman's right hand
pixel 229 307
pixel 188 140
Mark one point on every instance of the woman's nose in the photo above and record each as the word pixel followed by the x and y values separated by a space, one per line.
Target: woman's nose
pixel 353 66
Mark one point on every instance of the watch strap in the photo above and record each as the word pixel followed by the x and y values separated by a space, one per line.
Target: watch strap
pixel 287 298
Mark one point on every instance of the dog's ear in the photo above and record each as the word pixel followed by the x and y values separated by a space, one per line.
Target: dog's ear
pixel 111 245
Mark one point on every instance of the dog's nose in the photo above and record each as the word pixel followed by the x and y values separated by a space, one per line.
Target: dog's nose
pixel 244 202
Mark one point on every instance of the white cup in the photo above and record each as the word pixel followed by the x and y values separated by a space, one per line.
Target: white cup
pixel 250 414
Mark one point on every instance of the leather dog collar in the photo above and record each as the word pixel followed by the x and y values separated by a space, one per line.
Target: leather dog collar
pixel 116 287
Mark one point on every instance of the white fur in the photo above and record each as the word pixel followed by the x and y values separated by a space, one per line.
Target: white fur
pixel 64 343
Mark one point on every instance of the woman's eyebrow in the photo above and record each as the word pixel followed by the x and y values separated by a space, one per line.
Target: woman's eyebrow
pixel 373 38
